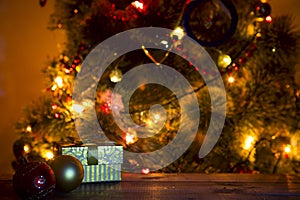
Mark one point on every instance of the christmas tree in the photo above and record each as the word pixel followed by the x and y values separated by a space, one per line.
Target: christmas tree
pixel 255 56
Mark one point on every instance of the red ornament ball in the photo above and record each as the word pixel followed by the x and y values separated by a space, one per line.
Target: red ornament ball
pixel 262 9
pixel 34 180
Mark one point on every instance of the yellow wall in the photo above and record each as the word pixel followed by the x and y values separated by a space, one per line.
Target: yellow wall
pixel 25 44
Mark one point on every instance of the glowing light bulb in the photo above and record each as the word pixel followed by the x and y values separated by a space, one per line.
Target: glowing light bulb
pixel 28 129
pixel 138 5
pixel 231 79
pixel 59 81
pixel 129 138
pixel 54 106
pixel 177 32
pixel 145 171
pixel 287 148
pixel 269 19
pixel 248 142
pixel 224 60
pixel 49 155
pixel 26 148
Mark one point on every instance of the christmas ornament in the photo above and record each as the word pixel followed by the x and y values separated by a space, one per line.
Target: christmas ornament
pixel 43 3
pixel 34 180
pixel 18 149
pixel 210 22
pixel 262 9
pixel 68 172
pixel 224 60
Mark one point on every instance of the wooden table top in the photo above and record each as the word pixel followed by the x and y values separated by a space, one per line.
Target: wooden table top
pixel 181 186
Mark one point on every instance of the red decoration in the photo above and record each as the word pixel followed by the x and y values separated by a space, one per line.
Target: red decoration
pixel 269 19
pixel 34 180
pixel 54 106
pixel 105 108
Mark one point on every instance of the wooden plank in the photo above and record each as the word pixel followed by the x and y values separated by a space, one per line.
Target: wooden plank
pixel 183 186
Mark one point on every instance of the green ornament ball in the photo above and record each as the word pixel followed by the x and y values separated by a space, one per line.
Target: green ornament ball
pixel 68 172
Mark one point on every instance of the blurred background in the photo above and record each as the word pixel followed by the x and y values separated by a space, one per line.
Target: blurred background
pixel 25 46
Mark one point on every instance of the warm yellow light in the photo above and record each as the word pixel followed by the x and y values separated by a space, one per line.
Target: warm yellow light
pixel 26 148
pixel 49 155
pixel 129 138
pixel 287 148
pixel 231 79
pixel 53 87
pixel 258 35
pixel 178 32
pixel 28 129
pixel 115 76
pixel 78 67
pixel 224 60
pixel 145 171
pixel 263 1
pixel 260 19
pixel 251 30
pixel 59 81
pixel 269 19
pixel 248 142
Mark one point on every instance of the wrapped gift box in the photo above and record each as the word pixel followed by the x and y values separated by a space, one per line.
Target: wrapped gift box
pixel 101 163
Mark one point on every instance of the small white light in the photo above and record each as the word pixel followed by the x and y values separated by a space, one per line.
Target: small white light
pixel 248 142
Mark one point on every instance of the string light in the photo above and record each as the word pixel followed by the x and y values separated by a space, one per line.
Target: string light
pixel 287 148
pixel 138 5
pixel 231 79
pixel 115 76
pixel 145 171
pixel 130 137
pixel 54 106
pixel 177 32
pixel 28 129
pixel 269 19
pixel 26 148
pixel 248 142
pixel 59 81
pixel 49 155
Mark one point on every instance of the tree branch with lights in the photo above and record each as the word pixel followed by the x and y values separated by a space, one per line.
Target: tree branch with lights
pixel 256 61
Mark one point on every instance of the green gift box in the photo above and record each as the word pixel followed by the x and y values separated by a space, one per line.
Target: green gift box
pixel 95 155
pixel 100 162
pixel 101 173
